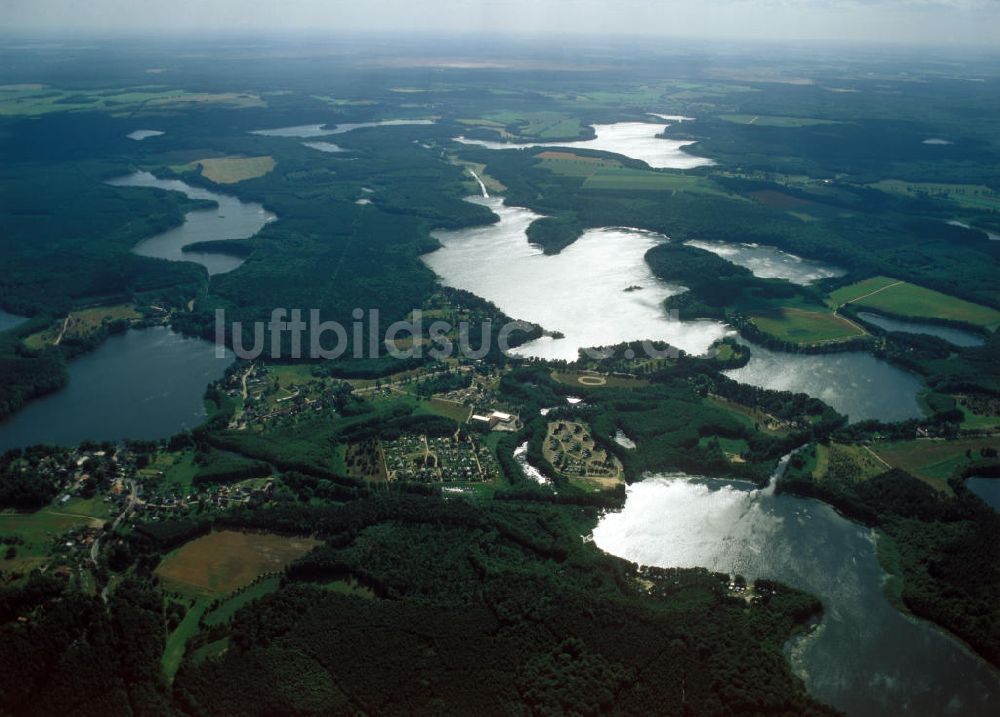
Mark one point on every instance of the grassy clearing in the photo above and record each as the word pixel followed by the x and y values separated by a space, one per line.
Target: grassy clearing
pixel 932 460
pixel 976 422
pixel 81 323
pixel 775 120
pixel 40 530
pixel 852 463
pixel 230 170
pixel 751 417
pixel 537 125
pixel 224 612
pixel 801 326
pixel 178 469
pixel 972 196
pixel 173 653
pixel 450 409
pixel 909 300
pixel 221 562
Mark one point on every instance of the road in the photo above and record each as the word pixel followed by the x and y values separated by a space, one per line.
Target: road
pixel 95 549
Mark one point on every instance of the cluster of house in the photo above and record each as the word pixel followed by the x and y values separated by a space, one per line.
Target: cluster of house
pixel 221 497
pixel 434 460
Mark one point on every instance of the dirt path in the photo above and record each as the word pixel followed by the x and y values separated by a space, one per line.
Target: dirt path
pixel 877 457
pixel 872 293
pixel 62 331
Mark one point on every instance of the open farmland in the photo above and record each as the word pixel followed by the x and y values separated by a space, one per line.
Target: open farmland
pixel 806 327
pixel 230 170
pixel 901 298
pixel 934 461
pixel 223 561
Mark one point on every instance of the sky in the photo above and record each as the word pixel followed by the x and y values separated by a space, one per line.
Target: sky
pixel 939 22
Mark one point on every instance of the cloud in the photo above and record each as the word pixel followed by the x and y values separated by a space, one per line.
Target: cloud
pixel 903 21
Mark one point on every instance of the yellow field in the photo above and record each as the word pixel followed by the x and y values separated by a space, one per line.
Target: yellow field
pixel 218 563
pixel 230 170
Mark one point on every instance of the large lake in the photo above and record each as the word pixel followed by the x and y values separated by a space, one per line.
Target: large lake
pixel 986 488
pixel 638 140
pixel 854 383
pixel 307 131
pixel 9 321
pixel 580 291
pixel 232 219
pixel 145 383
pixel 768 262
pixel 952 336
pixel 865 657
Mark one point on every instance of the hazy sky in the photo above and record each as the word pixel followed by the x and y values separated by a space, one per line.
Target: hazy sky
pixel 899 21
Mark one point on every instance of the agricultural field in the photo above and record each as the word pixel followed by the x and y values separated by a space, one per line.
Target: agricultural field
pixel 935 461
pixel 230 170
pixel 36 99
pixel 571 449
pixel 970 196
pixel 600 173
pixel 775 121
pixel 901 298
pixel 858 290
pixel 537 125
pixel 801 326
pixel 221 562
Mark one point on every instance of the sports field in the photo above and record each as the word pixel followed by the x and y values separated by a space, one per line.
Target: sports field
pixel 221 562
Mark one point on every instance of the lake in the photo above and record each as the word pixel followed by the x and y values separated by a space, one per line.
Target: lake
pixel 145 383
pixel 986 488
pixel 854 383
pixel 768 262
pixel 865 657
pixel 9 321
pixel 952 336
pixel 306 131
pixel 232 219
pixel 637 140
pixel 580 291
pixel 141 134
